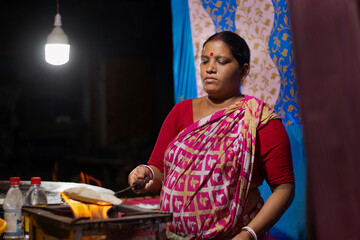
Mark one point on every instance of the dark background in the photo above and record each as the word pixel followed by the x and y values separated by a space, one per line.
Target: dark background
pixel 100 113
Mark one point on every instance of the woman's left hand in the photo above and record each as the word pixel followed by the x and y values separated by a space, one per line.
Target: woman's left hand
pixel 273 209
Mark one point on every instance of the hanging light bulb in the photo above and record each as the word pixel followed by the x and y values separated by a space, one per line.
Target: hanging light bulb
pixel 57 48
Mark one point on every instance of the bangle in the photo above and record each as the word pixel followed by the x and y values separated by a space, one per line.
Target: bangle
pixel 148 167
pixel 250 232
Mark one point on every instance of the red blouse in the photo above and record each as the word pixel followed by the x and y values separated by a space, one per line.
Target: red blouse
pixel 273 161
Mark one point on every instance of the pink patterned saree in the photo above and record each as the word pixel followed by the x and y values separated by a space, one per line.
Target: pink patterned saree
pixel 208 171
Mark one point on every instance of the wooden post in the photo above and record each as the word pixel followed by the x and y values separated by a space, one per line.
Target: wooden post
pixel 327 51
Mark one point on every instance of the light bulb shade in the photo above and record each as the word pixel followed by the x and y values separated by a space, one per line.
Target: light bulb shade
pixel 57 35
pixel 57 54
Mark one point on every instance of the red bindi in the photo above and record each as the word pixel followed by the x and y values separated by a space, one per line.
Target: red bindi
pixel 211 54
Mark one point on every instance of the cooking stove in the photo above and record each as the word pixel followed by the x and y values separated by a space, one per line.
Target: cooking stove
pixel 57 222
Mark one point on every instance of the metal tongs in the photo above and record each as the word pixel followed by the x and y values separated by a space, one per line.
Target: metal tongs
pixel 139 184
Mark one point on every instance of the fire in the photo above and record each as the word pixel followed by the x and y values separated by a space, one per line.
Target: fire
pixel 85 178
pixel 84 210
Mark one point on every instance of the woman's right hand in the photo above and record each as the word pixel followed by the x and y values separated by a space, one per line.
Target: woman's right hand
pixel 139 174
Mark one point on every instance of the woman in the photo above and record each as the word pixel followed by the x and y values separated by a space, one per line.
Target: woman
pixel 213 152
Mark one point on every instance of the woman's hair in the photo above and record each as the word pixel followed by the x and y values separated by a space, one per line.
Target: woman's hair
pixel 237 45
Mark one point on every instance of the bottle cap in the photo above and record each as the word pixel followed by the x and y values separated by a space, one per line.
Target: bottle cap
pixel 14 181
pixel 36 180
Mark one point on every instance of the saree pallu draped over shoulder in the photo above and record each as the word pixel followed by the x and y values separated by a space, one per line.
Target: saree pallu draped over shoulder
pixel 208 171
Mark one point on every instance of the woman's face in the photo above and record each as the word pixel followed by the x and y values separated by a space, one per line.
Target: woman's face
pixel 220 73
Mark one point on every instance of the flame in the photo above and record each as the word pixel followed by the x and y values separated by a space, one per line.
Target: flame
pixel 85 178
pixel 84 210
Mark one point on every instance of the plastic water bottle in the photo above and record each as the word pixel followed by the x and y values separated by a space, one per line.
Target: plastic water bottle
pixel 36 194
pixel 12 205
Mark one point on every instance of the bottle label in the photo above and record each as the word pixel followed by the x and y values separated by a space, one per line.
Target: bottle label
pixel 14 222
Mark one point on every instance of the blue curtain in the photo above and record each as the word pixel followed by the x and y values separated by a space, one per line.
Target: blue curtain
pixel 183 54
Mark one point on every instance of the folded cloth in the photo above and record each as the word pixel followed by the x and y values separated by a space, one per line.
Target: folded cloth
pixel 87 195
